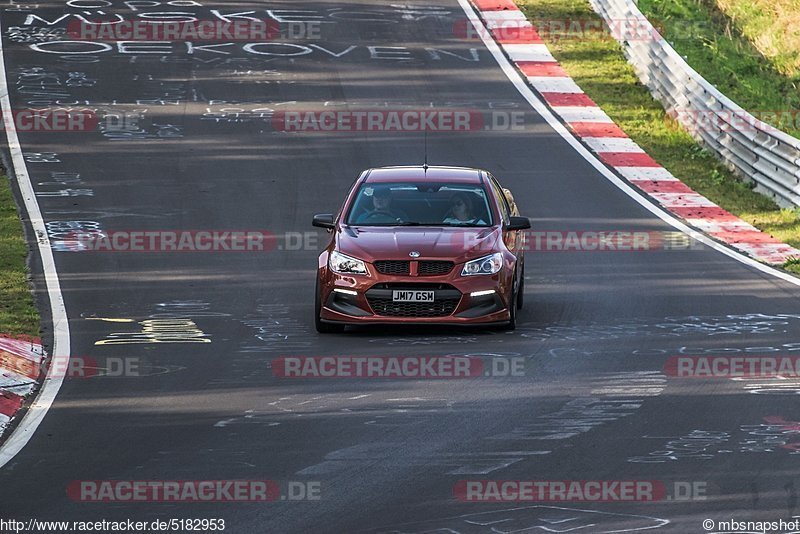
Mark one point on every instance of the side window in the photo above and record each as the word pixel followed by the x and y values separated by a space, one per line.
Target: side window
pixel 354 205
pixel 505 210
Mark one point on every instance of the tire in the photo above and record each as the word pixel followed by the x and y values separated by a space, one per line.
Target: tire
pixel 512 310
pixel 323 327
pixel 521 290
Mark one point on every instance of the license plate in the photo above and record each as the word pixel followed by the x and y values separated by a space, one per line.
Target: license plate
pixel 412 296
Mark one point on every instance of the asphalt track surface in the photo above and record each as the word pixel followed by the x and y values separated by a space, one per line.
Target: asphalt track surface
pixel 595 333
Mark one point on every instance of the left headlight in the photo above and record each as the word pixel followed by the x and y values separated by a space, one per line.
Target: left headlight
pixel 486 265
pixel 343 264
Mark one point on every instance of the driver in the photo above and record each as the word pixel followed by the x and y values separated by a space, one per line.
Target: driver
pixel 381 207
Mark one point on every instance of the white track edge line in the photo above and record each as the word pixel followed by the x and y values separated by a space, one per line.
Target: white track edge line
pixel 526 92
pixel 61 339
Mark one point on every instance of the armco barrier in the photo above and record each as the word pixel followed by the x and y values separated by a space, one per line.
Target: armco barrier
pixel 753 149
pixel 504 23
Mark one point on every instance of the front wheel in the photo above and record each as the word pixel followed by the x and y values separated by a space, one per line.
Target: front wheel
pixel 512 310
pixel 321 326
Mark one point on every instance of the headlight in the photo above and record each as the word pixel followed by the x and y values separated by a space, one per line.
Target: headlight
pixel 343 264
pixel 486 265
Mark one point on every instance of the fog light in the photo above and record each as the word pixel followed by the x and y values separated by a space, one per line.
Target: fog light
pixel 481 293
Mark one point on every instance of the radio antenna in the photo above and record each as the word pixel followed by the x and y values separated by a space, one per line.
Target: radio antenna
pixel 425 163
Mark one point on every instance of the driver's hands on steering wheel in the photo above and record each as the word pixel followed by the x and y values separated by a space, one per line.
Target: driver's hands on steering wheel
pixel 381 213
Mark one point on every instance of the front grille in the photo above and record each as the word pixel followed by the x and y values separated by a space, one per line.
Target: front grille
pixel 396 267
pixel 434 268
pixel 424 268
pixel 446 300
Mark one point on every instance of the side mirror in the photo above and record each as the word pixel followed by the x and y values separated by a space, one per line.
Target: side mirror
pixel 323 220
pixel 518 223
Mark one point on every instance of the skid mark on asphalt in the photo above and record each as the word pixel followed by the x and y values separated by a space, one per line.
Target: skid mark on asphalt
pixel 335 404
pixel 532 519
pixel 749 324
pixel 399 412
pixel 423 340
pixel 113 213
pixel 391 453
pixel 224 460
pixel 275 331
pixel 613 396
pixel 778 385
pixel 775 435
pixel 186 309
pixel 293 406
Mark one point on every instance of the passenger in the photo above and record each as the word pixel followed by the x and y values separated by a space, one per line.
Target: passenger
pixel 461 211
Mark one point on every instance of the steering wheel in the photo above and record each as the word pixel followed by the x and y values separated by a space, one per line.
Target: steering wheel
pixel 385 216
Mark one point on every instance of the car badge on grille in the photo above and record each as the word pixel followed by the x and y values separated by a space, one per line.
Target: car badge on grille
pixel 414 254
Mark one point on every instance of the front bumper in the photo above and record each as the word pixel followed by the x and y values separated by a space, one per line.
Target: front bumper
pixel 368 300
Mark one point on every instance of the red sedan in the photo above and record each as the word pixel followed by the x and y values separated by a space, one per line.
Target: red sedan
pixel 422 245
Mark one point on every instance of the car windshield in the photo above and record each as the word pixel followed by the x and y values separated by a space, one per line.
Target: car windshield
pixel 420 204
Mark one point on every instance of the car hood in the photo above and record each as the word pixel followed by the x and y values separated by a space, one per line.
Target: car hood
pixel 395 243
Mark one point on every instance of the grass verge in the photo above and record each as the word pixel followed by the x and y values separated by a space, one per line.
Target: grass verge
pixel 714 46
pixel 597 64
pixel 18 314
pixel 771 25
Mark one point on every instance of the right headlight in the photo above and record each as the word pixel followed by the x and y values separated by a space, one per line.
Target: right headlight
pixel 344 264
pixel 486 265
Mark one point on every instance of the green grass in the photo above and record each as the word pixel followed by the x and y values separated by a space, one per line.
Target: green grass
pixel 17 312
pixel 771 26
pixel 597 64
pixel 713 45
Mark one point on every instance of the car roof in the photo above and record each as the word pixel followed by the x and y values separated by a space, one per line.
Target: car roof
pixel 418 173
